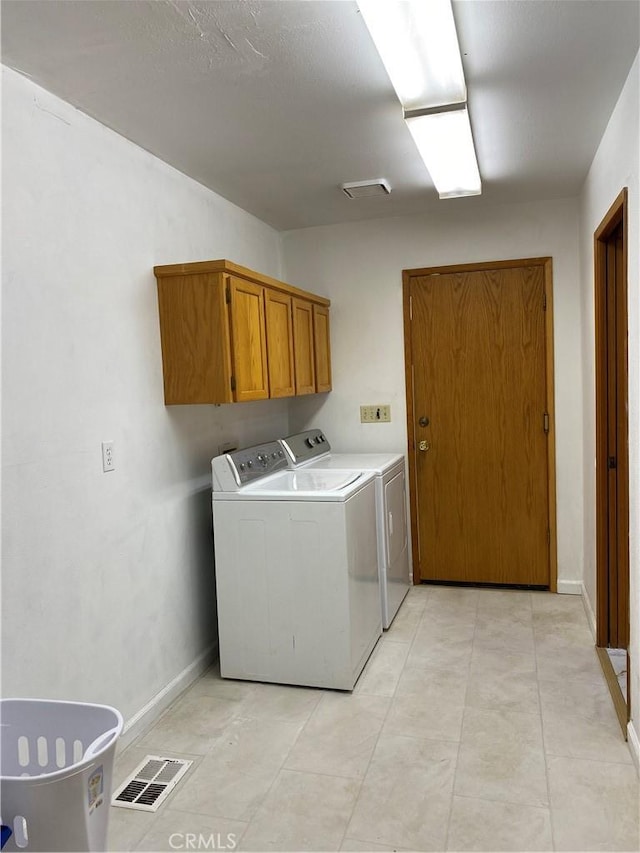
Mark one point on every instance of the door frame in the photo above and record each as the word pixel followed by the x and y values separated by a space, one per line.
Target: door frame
pixel 407 275
pixel 616 215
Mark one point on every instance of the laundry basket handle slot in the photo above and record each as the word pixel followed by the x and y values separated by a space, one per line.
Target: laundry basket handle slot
pixel 100 743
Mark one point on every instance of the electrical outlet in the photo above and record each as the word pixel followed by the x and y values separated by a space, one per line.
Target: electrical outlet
pixel 108 456
pixel 377 414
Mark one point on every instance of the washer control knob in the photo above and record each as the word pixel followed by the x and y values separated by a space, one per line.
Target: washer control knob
pixel 250 464
pixel 281 453
pixel 274 455
pixel 309 442
pixel 242 466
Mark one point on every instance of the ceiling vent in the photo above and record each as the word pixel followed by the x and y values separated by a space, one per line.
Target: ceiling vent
pixel 366 189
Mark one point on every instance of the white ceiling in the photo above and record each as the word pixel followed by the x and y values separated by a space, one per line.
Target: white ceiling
pixel 275 103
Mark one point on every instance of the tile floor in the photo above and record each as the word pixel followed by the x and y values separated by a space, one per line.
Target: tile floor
pixel 481 722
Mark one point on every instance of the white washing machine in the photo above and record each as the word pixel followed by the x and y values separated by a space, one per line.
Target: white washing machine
pixel 296 570
pixel 311 449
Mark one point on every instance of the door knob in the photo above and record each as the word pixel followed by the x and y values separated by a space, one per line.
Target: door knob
pixel 423 445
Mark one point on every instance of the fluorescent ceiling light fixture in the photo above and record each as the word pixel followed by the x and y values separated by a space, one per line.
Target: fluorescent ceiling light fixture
pixel 418 45
pixel 445 144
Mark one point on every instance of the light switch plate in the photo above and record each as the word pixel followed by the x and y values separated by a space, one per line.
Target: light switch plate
pixel 376 414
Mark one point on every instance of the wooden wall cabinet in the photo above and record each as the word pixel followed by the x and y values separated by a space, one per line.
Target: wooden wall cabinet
pixel 322 347
pixel 250 379
pixel 303 346
pixel 230 334
pixel 280 358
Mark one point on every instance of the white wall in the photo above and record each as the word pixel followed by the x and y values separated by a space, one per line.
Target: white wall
pixel 107 579
pixel 359 266
pixel 615 166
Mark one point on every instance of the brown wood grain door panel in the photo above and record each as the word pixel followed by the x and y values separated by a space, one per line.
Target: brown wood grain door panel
pixel 322 347
pixel 303 347
pixel 279 343
pixel 249 340
pixel 612 437
pixel 479 383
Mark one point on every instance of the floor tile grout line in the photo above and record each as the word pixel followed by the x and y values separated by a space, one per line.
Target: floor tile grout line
pixel 356 790
pixel 280 769
pixel 151 826
pixel 364 776
pixel 498 802
pixel 421 739
pixel 595 761
pixel 269 789
pixel 281 765
pixel 546 759
pixel 464 713
pixel 547 755
pixel 453 788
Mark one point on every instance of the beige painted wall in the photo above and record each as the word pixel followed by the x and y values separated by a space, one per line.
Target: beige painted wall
pixel 615 165
pixel 359 266
pixel 107 579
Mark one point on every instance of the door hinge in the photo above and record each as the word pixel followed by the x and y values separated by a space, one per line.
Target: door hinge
pixel 545 422
pixel 544 300
pixel 612 463
pixel 233 383
pixel 228 295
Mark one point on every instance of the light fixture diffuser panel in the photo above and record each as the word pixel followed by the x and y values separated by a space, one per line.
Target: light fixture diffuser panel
pixel 445 143
pixel 418 45
pixel 366 189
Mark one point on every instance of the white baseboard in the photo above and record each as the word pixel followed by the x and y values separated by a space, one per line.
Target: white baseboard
pixel 588 609
pixel 634 745
pixel 149 714
pixel 569 587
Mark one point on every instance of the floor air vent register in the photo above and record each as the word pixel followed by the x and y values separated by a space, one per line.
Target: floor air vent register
pixel 150 783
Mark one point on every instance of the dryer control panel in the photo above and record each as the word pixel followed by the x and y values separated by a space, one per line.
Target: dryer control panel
pixel 305 446
pixel 233 470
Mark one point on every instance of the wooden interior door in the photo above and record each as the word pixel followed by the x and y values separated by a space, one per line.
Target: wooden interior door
pixel 478 349
pixel 612 455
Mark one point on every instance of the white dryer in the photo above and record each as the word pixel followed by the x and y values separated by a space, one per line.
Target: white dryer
pixel 296 570
pixel 311 449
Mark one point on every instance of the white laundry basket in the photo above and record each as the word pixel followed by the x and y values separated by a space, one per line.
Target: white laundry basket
pixel 56 763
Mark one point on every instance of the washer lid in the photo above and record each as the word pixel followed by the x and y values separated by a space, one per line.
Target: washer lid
pixel 378 462
pixel 307 485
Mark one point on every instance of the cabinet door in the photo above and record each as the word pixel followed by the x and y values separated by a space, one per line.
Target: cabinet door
pixel 196 357
pixel 279 343
pixel 303 347
pixel 248 340
pixel 322 348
